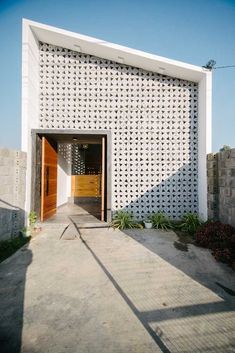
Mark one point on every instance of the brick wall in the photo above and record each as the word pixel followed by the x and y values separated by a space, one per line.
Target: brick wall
pixel 221 186
pixel 12 192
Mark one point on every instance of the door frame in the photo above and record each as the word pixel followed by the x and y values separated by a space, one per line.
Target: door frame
pixel 38 133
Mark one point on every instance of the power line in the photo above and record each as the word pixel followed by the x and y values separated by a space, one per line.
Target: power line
pixel 223 67
pixel 210 65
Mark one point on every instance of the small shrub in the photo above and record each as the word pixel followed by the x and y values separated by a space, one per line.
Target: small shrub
pixel 214 235
pixel 26 232
pixel 160 221
pixel 190 222
pixel 225 148
pixel 32 219
pixel 220 238
pixel 223 255
pixel 124 220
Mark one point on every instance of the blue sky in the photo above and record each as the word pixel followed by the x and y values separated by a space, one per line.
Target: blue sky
pixel 190 31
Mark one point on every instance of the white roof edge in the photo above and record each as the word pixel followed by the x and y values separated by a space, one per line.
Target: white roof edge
pixel 115 52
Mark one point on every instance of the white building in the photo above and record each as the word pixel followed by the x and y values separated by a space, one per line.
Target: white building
pixel 127 129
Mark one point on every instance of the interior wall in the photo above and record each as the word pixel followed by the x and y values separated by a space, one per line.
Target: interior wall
pixel 63 186
pixel 63 173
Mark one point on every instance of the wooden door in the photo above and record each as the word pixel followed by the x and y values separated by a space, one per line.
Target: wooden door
pixel 103 177
pixel 48 180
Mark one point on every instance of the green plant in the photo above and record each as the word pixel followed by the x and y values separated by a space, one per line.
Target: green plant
pixel 32 219
pixel 190 222
pixel 124 220
pixel 225 148
pixel 160 221
pixel 25 232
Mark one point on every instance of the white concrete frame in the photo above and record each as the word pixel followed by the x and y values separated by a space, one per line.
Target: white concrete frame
pixel 34 32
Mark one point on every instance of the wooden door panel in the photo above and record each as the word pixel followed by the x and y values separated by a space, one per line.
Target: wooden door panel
pixel 103 176
pixel 85 185
pixel 49 180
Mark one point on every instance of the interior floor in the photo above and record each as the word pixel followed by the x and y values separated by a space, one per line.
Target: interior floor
pixel 77 213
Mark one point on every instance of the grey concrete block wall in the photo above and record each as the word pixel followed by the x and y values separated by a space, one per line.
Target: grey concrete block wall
pixel 221 186
pixel 12 192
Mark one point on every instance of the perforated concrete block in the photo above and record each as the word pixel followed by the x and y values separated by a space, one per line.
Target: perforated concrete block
pixel 153 119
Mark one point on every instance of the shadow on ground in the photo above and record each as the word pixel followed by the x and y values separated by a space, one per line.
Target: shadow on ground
pixel 196 262
pixel 199 265
pixel 12 290
pixel 112 291
pixel 183 311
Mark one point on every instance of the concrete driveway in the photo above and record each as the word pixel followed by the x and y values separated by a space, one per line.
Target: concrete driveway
pixel 111 291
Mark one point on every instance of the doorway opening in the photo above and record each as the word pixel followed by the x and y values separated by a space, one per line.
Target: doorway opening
pixel 69 177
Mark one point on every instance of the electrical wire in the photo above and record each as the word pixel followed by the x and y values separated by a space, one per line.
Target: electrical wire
pixel 223 67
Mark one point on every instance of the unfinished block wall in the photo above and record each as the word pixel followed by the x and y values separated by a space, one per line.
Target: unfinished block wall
pixel 12 192
pixel 221 186
pixel 153 120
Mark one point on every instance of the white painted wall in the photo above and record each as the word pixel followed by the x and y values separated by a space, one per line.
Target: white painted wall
pixel 63 186
pixel 63 180
pixel 115 52
pixel 30 98
pixel 204 139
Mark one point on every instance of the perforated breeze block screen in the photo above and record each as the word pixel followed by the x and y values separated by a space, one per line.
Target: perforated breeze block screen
pixel 153 119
